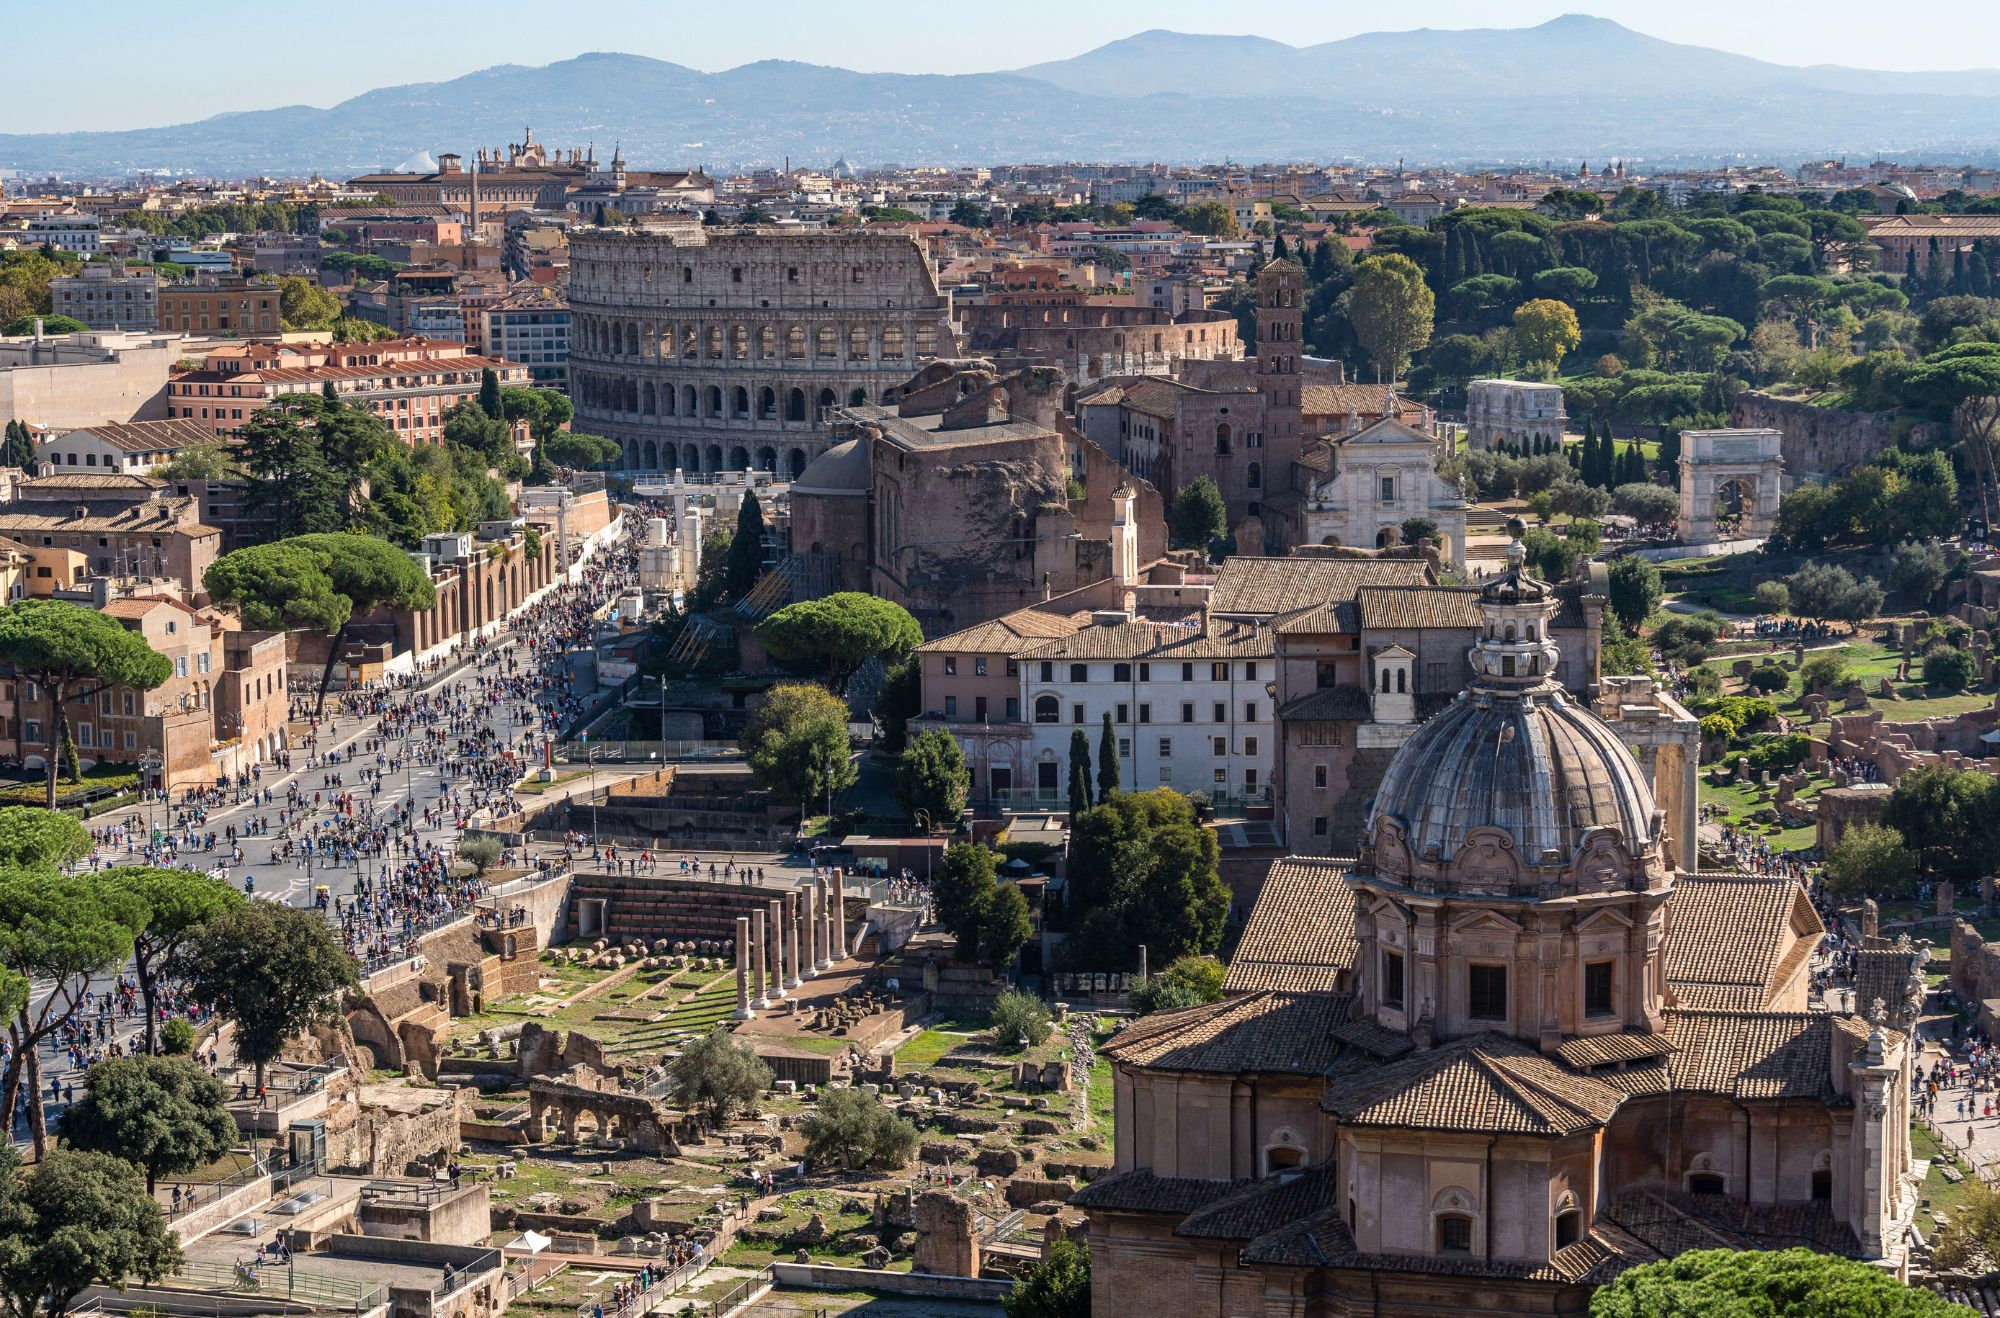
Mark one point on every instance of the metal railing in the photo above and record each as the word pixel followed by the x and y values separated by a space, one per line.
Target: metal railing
pixel 626 752
pixel 457 1278
pixel 280 1281
pixel 202 1195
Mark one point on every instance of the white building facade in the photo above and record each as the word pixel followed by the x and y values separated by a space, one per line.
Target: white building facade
pixel 1380 478
pixel 1516 412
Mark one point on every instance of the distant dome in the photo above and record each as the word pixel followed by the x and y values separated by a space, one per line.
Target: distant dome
pixel 843 469
pixel 420 163
pixel 1532 764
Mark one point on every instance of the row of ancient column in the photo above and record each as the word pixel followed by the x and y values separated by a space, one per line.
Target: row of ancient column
pixel 794 938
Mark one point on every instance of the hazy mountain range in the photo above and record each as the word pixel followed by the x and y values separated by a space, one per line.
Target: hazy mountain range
pixel 1572 87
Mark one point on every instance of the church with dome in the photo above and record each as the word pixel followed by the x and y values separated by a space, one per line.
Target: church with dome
pixel 1506 1050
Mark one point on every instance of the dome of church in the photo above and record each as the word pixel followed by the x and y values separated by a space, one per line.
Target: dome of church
pixel 1514 752
pixel 1533 764
pixel 842 469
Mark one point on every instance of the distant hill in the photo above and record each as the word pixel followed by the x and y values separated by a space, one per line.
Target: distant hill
pixel 1571 87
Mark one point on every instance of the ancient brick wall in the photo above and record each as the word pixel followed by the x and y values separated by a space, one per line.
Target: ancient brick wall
pixel 1824 442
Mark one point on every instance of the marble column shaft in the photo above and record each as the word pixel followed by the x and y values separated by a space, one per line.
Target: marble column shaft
pixel 743 1012
pixel 777 909
pixel 761 948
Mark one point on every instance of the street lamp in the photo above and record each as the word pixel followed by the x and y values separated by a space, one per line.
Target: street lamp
pixel 923 818
pixel 149 774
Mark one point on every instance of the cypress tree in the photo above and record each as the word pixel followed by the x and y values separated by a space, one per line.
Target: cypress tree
pixel 746 548
pixel 327 392
pixel 1107 760
pixel 1079 774
pixel 489 393
pixel 1279 252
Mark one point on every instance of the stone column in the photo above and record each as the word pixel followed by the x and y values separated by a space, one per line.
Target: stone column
pixel 743 954
pixel 792 930
pixel 808 932
pixel 821 899
pixel 761 948
pixel 840 915
pixel 777 975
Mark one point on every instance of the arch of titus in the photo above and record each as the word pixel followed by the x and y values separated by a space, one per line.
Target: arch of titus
pixel 1714 460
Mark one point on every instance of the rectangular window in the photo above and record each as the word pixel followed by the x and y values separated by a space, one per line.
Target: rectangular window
pixel 1124 714
pixel 1220 744
pixel 1048 671
pixel 1454 1235
pixel 1187 711
pixel 979 666
pixel 1249 745
pixel 1079 672
pixel 1121 672
pixel 31 730
pixel 1166 747
pixel 1319 825
pixel 1221 713
pixel 1597 979
pixel 1187 672
pixel 1392 979
pixel 1076 714
pixel 201 662
pixel 180 665
pixel 1124 748
pixel 1145 713
pixel 1250 672
pixel 1013 669
pixel 1388 489
pixel 1319 776
pixel 86 735
pixel 1145 672
pixel 1218 672
pixel 951 665
pixel 951 706
pixel 1013 708
pixel 1222 776
pixel 1250 712
pixel 1486 993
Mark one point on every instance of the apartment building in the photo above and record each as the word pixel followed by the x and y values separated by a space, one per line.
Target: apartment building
pixel 221 304
pixel 529 326
pixel 409 383
pixel 105 296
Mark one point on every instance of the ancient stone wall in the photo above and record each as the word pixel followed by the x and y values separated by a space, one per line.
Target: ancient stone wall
pixel 1975 964
pixel 720 349
pixel 1825 442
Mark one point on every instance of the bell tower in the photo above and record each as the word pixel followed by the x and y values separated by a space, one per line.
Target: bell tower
pixel 1280 320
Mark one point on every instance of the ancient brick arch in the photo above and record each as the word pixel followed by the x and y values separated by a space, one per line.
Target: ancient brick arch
pixel 638 1120
pixel 1729 474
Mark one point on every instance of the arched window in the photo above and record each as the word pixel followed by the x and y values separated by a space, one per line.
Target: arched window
pixel 1385 681
pixel 715 400
pixel 795 341
pixel 1048 709
pixel 715 340
pixel 857 344
pixel 892 341
pixel 767 342
pixel 767 404
pixel 1569 1228
pixel 827 398
pixel 1255 476
pixel 742 402
pixel 690 341
pixel 827 342
pixel 1822 1176
pixel 795 405
pixel 1402 681
pixel 739 344
pixel 1222 439
pixel 856 396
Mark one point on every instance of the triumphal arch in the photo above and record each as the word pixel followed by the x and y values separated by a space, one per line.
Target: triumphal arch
pixel 1730 484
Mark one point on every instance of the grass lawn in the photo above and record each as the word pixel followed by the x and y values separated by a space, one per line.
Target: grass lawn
pixel 929 1047
pixel 1738 801
pixel 533 785
pixel 1943 1196
pixel 1103 1096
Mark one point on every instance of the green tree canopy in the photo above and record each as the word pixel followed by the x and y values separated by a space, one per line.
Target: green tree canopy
pixel 1056 1287
pixel 931 777
pixel 1188 982
pixel 164 1113
pixel 51 324
pixel 746 549
pixel 33 838
pixel 1107 760
pixel 964 889
pixel 1786 1283
pixel 797 744
pixel 1546 330
pixel 852 1130
pixel 177 902
pixel 58 931
pixel 1391 310
pixel 718 1074
pixel 320 582
pixel 1870 860
pixel 73 1221
pixel 568 449
pixel 271 969
pixel 201 462
pixel 1141 870
pixel 1198 518
pixel 304 305
pixel 74 654
pixel 1636 589
pixel 1006 927
pixel 1950 817
pixel 839 633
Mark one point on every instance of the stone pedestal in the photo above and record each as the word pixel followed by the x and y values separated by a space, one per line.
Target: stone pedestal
pixel 822 926
pixel 743 954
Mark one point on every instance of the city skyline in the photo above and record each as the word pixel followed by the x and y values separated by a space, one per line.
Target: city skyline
pixel 141 89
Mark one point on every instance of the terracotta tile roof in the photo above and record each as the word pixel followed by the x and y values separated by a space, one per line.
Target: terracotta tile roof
pixel 1602 1049
pixel 1262 587
pixel 1403 608
pixel 1339 704
pixel 1486 1084
pixel 1263 1205
pixel 1337 400
pixel 1247 1034
pixel 1143 639
pixel 1008 634
pixel 1247 977
pixel 1672 1222
pixel 1143 1192
pixel 1887 974
pixel 1304 917
pixel 1322 1240
pixel 1377 1040
pixel 1738 930
pixel 1719 997
pixel 1337 617
pixel 1752 1054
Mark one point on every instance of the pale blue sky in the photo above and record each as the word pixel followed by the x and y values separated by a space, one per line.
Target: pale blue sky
pixel 149 64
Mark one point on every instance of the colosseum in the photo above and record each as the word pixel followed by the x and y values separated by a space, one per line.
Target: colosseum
pixel 723 349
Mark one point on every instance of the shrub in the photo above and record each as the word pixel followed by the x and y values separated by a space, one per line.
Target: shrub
pixel 1705 680
pixel 718 1073
pixel 1686 640
pixel 1826 673
pixel 1781 753
pixel 1773 597
pixel 1188 982
pixel 1947 669
pixel 176 1038
pixel 1769 678
pixel 482 853
pixel 1018 1016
